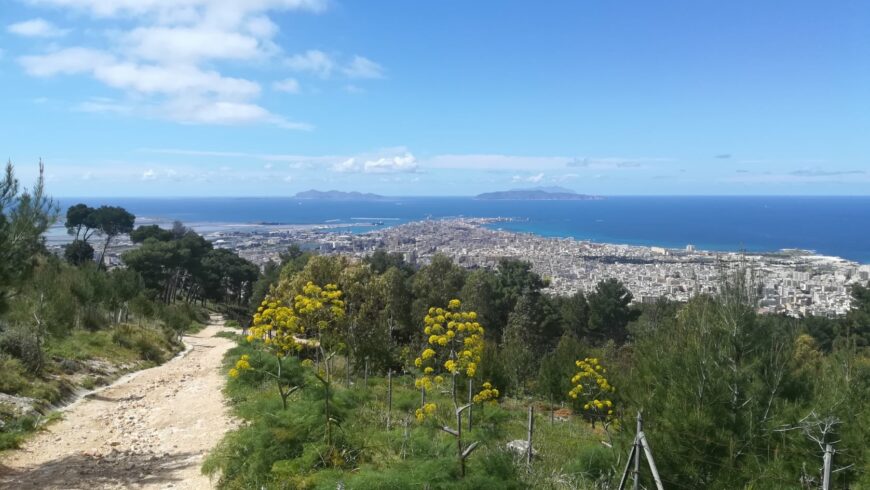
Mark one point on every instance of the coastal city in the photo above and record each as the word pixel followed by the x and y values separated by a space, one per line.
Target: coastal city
pixel 791 282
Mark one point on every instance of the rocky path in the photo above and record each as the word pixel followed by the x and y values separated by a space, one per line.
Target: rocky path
pixel 150 429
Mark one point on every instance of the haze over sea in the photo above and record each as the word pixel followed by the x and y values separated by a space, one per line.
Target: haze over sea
pixel 836 226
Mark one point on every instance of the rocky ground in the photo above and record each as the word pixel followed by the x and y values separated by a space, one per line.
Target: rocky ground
pixel 150 429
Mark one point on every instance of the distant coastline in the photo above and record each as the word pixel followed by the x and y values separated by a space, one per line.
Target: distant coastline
pixel 535 196
pixel 340 196
pixel 840 226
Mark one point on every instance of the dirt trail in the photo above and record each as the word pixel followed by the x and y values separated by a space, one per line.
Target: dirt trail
pixel 150 429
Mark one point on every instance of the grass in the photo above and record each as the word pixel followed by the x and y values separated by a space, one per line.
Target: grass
pixel 275 448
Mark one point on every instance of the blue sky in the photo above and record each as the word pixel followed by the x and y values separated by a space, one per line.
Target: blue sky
pixel 270 97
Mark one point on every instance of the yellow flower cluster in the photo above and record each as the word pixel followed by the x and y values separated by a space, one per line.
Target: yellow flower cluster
pixel 427 410
pixel 455 341
pixel 279 325
pixel 315 300
pixel 243 364
pixel 590 384
pixel 488 393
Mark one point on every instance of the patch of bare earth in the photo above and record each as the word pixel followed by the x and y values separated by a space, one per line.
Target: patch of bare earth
pixel 150 429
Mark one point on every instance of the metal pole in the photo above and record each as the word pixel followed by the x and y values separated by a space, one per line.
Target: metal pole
pixel 652 464
pixel 826 472
pixel 389 396
pixel 470 398
pixel 624 479
pixel 529 440
pixel 459 443
pixel 636 484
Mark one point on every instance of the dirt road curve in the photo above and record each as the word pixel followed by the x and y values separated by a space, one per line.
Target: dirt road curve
pixel 150 429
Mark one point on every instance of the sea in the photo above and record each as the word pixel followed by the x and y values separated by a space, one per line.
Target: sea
pixel 832 226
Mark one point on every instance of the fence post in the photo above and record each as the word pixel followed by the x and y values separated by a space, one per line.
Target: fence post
pixel 826 470
pixel 636 484
pixel 389 396
pixel 367 372
pixel 470 400
pixel 529 438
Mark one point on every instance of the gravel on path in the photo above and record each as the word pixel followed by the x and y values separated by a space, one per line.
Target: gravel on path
pixel 148 430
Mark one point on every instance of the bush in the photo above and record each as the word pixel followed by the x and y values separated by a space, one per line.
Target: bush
pixel 14 378
pixel 150 344
pixel 20 343
pixel 94 319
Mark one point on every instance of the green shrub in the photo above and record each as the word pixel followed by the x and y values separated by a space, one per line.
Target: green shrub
pixel 149 344
pixel 14 376
pixel 21 343
pixel 93 319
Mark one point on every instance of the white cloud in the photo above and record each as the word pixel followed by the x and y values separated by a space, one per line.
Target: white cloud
pixel 36 28
pixel 67 61
pixel 288 179
pixel 362 67
pixel 312 61
pixel 398 163
pixel 175 11
pixel 149 174
pixel 289 85
pixel 104 105
pixel 163 56
pixel 496 162
pixel 175 80
pixel 323 65
pixel 191 44
pixel 609 163
pixel 193 111
pixel 347 166
pixel 533 179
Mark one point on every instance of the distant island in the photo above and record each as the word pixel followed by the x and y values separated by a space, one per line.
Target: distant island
pixel 538 194
pixel 339 196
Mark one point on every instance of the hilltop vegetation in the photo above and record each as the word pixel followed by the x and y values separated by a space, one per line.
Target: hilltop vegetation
pixel 730 398
pixel 70 324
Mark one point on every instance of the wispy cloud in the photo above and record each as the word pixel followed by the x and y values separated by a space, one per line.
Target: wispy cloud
pixel 36 28
pixel 288 85
pixel 325 65
pixel 825 173
pixel 604 163
pixel 387 160
pixel 166 56
pixel 801 176
pixel 361 67
pixel 532 179
pixel 402 163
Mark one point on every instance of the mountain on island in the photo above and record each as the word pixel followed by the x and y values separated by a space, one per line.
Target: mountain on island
pixel 339 196
pixel 538 194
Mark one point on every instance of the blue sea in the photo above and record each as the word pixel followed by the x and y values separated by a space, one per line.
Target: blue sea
pixel 837 226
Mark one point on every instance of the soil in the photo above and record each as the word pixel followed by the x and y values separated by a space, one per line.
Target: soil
pixel 150 429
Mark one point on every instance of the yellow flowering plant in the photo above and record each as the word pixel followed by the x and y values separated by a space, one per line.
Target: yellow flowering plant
pixel 454 341
pixel 282 327
pixel 486 394
pixel 593 390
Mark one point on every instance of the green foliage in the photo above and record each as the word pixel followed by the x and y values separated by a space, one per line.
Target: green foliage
pixel 435 284
pixel 728 396
pixel 24 218
pixel 150 344
pixel 557 369
pixel 78 252
pixel 610 312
